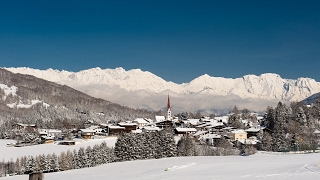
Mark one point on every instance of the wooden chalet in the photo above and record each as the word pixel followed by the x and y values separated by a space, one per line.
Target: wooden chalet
pixel 115 130
pixel 87 133
pixel 164 124
pixel 128 126
pixel 183 131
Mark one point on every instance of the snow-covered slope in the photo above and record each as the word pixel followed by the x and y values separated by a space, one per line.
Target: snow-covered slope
pixel 140 84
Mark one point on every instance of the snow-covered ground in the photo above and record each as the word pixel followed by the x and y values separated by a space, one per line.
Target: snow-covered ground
pixel 258 166
pixel 8 153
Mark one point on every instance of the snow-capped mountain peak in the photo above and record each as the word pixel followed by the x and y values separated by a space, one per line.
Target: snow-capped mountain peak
pixel 266 86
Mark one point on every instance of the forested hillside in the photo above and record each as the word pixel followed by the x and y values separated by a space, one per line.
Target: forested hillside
pixel 27 99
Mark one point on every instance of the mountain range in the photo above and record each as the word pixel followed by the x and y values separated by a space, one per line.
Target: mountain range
pixel 143 89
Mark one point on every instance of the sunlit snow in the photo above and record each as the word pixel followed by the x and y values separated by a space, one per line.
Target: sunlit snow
pixel 259 166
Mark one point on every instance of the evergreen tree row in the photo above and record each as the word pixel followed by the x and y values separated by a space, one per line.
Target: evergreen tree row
pixel 89 157
pixel 147 145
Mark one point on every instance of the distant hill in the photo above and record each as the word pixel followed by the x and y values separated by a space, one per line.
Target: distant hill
pixel 142 89
pixel 26 98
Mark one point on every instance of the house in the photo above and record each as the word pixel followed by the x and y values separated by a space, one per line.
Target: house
pixel 21 126
pixel 87 133
pixel 128 126
pixel 164 124
pixel 182 131
pixel 238 134
pixel 115 130
pixel 141 122
pixel 47 139
pixel 210 138
pixel 55 133
pixel 253 131
pixel 101 131
pixel 150 129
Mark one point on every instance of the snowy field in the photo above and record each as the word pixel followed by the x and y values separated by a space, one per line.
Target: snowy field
pixel 8 153
pixel 258 166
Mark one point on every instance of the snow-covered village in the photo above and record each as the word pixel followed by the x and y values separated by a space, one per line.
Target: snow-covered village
pixel 27 149
pixel 149 90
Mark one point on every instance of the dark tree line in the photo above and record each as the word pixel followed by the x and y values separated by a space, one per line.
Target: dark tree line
pixel 149 145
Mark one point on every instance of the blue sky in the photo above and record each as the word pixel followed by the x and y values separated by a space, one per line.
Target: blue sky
pixel 176 40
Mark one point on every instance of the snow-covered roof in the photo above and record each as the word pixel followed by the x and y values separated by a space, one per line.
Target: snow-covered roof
pixel 222 118
pixel 316 131
pixel 200 133
pixel 260 117
pixel 93 127
pixel 214 124
pixel 46 131
pixel 26 125
pixel 228 128
pixel 88 130
pixel 253 129
pixel 48 137
pixel 127 124
pixel 151 128
pixel 104 125
pixel 140 121
pixel 186 129
pixel 202 125
pixel 193 121
pixel 160 118
pixel 116 127
pixel 239 131
pixel 247 141
pixel 137 131
pixel 210 136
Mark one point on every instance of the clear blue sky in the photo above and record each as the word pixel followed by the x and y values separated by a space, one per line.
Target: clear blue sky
pixel 176 40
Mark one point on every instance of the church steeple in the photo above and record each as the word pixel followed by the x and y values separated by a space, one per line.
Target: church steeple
pixel 169 109
pixel 168 106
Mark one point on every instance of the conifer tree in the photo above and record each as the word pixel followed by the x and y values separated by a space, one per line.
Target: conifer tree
pixel 75 160
pixel 82 157
pixel 270 118
pixel 88 157
pixel 186 146
pixel 30 165
pixel 18 166
pixel 279 133
pixel 63 162
pixel 69 162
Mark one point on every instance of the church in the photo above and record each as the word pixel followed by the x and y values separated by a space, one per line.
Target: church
pixel 169 117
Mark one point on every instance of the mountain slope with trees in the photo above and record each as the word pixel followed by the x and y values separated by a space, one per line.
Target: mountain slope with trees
pixel 27 99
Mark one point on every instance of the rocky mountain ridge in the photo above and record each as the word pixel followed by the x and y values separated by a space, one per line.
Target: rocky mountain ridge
pixel 137 83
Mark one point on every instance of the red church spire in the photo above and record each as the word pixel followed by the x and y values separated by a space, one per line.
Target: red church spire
pixel 168 107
